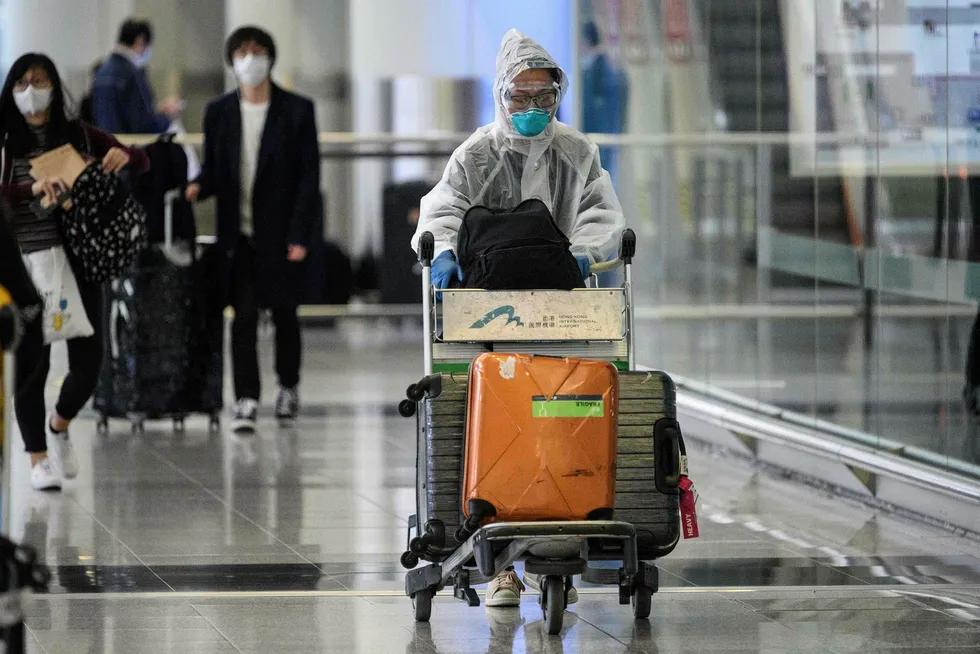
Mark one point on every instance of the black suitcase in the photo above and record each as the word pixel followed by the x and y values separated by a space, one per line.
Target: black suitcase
pixel 645 399
pixel 335 275
pixel 163 326
pixel 401 274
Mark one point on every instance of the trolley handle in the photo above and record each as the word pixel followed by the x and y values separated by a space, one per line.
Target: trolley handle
pixel 427 249
pixel 627 246
pixel 627 250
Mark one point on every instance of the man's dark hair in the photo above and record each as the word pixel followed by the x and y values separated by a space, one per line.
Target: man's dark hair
pixel 132 29
pixel 250 33
pixel 590 34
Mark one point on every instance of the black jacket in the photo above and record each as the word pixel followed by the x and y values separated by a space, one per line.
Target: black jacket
pixel 13 274
pixel 286 203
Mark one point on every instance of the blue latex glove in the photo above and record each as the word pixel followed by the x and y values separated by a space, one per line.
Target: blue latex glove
pixel 584 264
pixel 443 268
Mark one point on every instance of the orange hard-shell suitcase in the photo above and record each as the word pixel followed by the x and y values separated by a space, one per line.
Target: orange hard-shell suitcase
pixel 540 439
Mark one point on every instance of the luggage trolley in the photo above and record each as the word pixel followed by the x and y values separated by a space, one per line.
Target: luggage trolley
pixel 462 553
pixel 20 570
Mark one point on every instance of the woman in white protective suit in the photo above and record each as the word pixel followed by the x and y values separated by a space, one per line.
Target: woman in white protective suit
pixel 525 153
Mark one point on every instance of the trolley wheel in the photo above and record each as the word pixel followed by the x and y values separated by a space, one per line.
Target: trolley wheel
pixel 418 545
pixel 102 427
pixel 214 426
pixel 415 392
pixel 409 560
pixel 422 601
pixel 553 603
pixel 642 602
pixel 179 425
pixel 406 408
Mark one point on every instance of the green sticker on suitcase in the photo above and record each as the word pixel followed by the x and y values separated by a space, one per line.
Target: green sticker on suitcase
pixel 568 406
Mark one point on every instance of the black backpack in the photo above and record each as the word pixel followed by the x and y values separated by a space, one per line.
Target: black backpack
pixel 105 228
pixel 519 249
pixel 168 171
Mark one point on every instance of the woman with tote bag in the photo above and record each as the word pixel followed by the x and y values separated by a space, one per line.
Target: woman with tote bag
pixel 34 120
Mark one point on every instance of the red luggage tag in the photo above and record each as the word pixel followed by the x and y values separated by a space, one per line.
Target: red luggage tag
pixel 689 499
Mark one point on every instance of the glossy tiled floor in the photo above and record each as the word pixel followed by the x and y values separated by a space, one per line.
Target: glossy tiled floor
pixel 289 542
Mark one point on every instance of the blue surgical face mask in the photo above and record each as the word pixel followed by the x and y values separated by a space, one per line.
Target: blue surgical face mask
pixel 531 122
pixel 142 60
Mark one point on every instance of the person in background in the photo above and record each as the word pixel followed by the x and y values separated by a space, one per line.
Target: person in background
pixel 525 153
pixel 33 120
pixel 605 91
pixel 122 101
pixel 262 163
pixel 971 390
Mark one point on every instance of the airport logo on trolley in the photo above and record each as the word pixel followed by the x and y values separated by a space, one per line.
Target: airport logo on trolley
pixel 505 310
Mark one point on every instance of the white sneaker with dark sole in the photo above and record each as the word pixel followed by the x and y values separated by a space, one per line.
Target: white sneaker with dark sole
pixel 44 476
pixel 61 452
pixel 504 590
pixel 244 419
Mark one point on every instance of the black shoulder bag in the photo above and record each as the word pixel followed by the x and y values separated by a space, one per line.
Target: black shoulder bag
pixel 517 249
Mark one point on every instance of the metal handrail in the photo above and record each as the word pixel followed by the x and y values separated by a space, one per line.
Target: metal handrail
pixel 813 433
pixel 776 430
pixel 668 139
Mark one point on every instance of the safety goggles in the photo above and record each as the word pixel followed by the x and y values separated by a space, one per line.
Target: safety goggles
pixel 522 98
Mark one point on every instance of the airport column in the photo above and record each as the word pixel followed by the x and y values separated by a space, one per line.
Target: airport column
pixel 63 30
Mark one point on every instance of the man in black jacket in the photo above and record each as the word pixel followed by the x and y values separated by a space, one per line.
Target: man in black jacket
pixel 262 162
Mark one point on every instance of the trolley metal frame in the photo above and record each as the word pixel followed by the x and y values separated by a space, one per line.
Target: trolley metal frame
pixel 490 549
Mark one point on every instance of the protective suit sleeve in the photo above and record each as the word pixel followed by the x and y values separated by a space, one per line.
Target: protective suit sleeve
pixel 600 220
pixel 442 209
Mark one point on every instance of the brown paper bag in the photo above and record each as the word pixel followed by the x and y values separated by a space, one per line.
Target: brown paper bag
pixel 64 162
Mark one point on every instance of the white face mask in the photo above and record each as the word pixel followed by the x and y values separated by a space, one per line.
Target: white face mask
pixel 33 100
pixel 251 70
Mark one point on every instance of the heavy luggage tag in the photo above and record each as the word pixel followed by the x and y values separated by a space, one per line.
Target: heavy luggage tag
pixel 688 503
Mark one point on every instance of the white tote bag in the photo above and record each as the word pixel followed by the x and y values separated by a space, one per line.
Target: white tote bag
pixel 64 314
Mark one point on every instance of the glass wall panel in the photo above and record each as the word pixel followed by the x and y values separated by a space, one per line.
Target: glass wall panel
pixel 803 177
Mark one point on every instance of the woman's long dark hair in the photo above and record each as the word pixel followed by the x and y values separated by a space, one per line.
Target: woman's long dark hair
pixel 13 126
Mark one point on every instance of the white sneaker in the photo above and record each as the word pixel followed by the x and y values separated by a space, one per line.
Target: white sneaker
pixel 504 590
pixel 244 420
pixel 534 581
pixel 44 477
pixel 61 452
pixel 287 405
